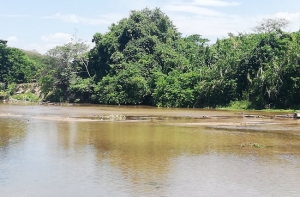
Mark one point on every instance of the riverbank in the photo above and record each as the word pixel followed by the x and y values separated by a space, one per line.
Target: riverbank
pixel 31 92
pixel 222 119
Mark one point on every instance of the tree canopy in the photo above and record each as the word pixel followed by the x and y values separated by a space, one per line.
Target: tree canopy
pixel 15 65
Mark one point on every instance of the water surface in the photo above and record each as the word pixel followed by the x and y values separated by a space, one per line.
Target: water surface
pixel 154 152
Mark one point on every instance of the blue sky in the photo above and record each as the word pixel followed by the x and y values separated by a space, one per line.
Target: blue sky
pixel 43 24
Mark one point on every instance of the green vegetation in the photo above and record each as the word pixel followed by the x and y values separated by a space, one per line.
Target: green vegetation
pixel 15 65
pixel 26 97
pixel 143 59
pixel 244 104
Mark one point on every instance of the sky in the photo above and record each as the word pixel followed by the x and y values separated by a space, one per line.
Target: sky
pixel 43 24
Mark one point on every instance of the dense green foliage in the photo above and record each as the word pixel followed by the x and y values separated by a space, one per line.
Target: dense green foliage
pixel 15 65
pixel 133 61
pixel 143 59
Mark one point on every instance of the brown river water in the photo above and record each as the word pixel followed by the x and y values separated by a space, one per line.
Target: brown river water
pixel 94 150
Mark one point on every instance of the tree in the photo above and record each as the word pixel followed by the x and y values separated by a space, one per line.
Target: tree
pixel 3 42
pixel 65 65
pixel 176 89
pixel 271 25
pixel 128 87
pixel 145 43
pixel 15 66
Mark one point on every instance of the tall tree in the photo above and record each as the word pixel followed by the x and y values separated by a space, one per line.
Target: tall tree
pixel 65 65
pixel 144 42
pixel 271 25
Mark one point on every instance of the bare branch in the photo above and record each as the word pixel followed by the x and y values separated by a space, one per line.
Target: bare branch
pixel 271 25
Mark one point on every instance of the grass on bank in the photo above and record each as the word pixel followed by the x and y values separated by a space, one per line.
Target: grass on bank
pixel 26 97
pixel 246 105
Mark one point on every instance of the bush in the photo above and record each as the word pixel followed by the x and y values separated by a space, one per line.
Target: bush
pixel 244 104
pixel 26 97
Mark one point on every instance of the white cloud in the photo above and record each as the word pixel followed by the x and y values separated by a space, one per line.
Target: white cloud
pixel 35 47
pixel 214 3
pixel 106 19
pixel 12 39
pixel 57 37
pixel 199 7
pixel 288 16
pixel 192 9
pixel 112 17
pixel 41 47
pixel 16 15
pixel 50 41
pixel 208 22
pixel 202 20
pixel 294 19
pixel 72 18
pixel 213 27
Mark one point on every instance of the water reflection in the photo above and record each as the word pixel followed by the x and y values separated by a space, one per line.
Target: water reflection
pixel 146 154
pixel 11 131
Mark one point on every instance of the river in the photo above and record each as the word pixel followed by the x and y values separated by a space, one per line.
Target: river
pixel 94 150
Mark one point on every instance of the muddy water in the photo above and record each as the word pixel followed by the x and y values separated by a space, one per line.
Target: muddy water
pixel 89 151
